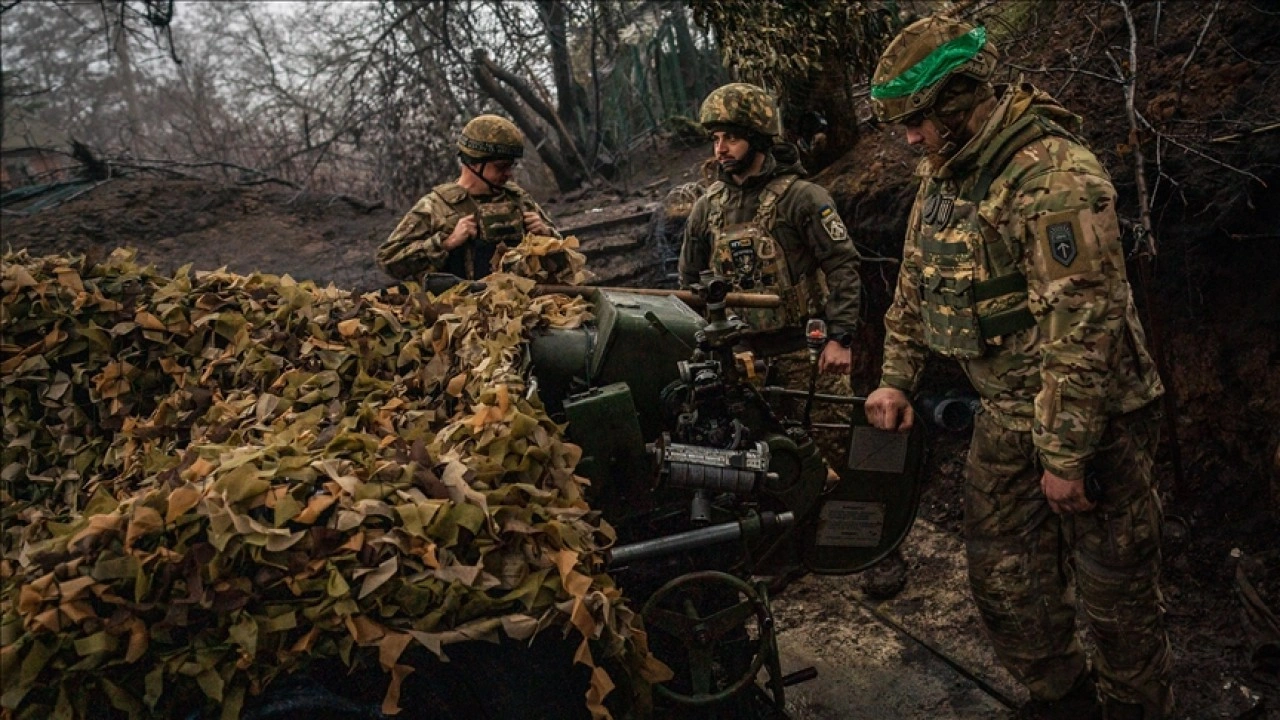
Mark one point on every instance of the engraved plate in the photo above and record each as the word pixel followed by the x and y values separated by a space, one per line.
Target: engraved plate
pixel 850 524
pixel 878 450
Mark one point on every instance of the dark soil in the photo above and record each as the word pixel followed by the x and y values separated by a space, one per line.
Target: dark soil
pixel 172 223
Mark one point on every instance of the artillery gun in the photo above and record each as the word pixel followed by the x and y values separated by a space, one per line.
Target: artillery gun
pixel 718 498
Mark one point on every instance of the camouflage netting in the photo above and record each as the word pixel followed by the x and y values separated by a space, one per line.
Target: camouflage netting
pixel 210 480
pixel 547 259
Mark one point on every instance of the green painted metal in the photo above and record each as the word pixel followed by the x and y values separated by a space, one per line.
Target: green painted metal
pixel 635 339
pixel 561 362
pixel 604 423
pixel 639 341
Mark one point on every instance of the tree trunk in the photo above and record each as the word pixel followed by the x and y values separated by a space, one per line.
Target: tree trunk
pixel 569 176
pixel 428 64
pixel 688 55
pixel 571 104
pixel 128 87
pixel 568 145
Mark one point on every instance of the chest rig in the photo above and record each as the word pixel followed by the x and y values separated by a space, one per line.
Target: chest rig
pixel 499 219
pixel 750 257
pixel 966 307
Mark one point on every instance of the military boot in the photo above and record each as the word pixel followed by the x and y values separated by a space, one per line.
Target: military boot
pixel 1080 703
pixel 886 578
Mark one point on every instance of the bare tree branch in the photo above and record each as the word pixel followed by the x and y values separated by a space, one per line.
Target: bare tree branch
pixel 1174 141
pixel 482 71
pixel 1073 71
pixel 1135 141
pixel 1242 135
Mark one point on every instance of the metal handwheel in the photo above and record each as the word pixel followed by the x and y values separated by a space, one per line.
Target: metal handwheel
pixel 701 635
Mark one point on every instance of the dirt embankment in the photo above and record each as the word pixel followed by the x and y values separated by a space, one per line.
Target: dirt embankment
pixel 175 222
pixel 324 238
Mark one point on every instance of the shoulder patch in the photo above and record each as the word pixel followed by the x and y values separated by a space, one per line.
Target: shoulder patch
pixel 832 223
pixel 1062 243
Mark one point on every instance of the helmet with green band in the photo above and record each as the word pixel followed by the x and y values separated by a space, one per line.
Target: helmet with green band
pixel 915 66
pixel 490 137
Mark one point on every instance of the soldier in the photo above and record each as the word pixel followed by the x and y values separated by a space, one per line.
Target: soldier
pixel 768 231
pixel 456 228
pixel 1013 266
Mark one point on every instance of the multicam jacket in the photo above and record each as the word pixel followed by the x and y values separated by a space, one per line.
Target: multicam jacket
pixel 1013 265
pixel 806 227
pixel 416 246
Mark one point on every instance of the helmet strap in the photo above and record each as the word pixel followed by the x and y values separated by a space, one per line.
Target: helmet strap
pixel 951 139
pixel 478 169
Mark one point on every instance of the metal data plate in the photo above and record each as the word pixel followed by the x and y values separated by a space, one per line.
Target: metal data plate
pixel 850 523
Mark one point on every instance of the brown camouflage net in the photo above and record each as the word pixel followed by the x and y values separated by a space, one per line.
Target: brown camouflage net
pixel 210 480
pixel 546 259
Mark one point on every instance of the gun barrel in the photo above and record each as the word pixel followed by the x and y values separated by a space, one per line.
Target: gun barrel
pixel 746 300
pixel 436 283
pixel 691 539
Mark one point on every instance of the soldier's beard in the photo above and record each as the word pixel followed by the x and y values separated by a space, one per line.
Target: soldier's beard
pixel 738 166
pixel 952 137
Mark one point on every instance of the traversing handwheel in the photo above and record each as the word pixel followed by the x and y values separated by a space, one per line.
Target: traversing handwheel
pixel 701 631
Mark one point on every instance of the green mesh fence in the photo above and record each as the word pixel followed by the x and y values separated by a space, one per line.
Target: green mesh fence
pixel 652 82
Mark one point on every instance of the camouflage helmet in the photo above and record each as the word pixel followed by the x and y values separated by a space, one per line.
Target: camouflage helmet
pixel 489 137
pixel 742 105
pixel 915 66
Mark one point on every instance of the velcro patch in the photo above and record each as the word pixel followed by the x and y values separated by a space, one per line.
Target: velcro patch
pixel 1062 243
pixel 832 223
pixel 1063 246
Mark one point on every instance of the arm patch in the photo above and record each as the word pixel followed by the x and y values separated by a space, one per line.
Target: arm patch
pixel 1066 249
pixel 832 223
pixel 1062 243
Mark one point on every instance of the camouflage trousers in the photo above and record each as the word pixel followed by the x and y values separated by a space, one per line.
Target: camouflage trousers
pixel 1029 567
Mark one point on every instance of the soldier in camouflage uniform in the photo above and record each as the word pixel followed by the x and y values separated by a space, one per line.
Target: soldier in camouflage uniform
pixel 457 227
pixel 1013 266
pixel 768 231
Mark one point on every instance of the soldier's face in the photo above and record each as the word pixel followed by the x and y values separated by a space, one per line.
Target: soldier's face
pixel 924 132
pixel 499 172
pixel 732 152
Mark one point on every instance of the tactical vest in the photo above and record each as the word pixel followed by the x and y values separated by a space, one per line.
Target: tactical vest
pixel 752 260
pixel 961 314
pixel 499 219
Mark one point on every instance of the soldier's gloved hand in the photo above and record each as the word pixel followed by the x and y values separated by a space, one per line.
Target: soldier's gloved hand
pixel 1064 496
pixel 533 223
pixel 835 359
pixel 889 409
pixel 462 232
